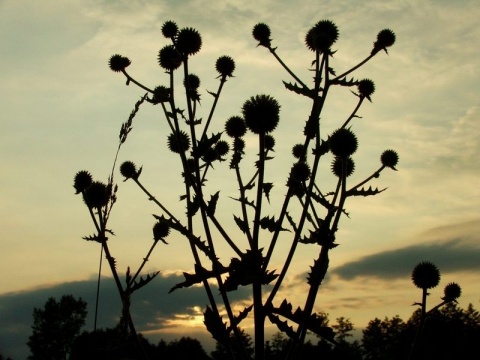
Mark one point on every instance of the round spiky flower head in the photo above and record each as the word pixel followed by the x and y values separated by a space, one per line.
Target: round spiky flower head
pixel 343 142
pixel 160 94
pixel 189 41
pixel 366 88
pixel 238 144
pixel 452 292
pixel 169 58
pixel 129 170
pixel 261 33
pixel 300 171
pixel 322 36
pixel 261 114
pixel 169 29
pixel 298 152
pixel 269 142
pixel 338 163
pixel 425 275
pixel 222 147
pixel 193 82
pixel 161 230
pixel 235 127
pixel 82 180
pixel 225 66
pixel 96 195
pixel 118 62
pixel 389 158
pixel 385 38
pixel 178 142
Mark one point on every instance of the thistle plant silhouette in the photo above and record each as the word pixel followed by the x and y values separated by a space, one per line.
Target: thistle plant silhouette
pixel 309 214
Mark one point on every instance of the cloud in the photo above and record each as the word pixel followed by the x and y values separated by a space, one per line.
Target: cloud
pixel 153 309
pixel 453 248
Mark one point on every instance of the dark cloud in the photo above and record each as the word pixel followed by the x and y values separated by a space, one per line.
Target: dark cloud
pixel 455 255
pixel 152 306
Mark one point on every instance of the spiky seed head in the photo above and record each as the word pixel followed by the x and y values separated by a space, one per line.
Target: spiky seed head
pixel 161 230
pixel 343 142
pixel 338 165
pixel 269 142
pixel 300 171
pixel 169 29
pixel 129 170
pixel 169 58
pixel 452 292
pixel 296 187
pixel 193 82
pixel 118 62
pixel 222 147
pixel 385 38
pixel 389 158
pixel 298 152
pixel 425 275
pixel 366 88
pixel 160 94
pixel 235 127
pixel 322 36
pixel 178 142
pixel 261 114
pixel 189 41
pixel 238 145
pixel 96 195
pixel 261 33
pixel 225 66
pixel 210 155
pixel 82 180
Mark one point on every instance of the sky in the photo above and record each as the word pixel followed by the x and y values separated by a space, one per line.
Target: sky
pixel 62 108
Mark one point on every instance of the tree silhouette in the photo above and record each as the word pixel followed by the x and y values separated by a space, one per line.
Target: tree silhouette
pixel 55 328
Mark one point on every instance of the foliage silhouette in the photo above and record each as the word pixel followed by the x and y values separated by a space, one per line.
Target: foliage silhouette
pixel 55 327
pixel 309 214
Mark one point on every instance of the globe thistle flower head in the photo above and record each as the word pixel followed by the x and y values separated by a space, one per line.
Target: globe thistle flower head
pixel 343 142
pixel 160 94
pixel 269 142
pixel 210 155
pixel 129 170
pixel 222 148
pixel 452 292
pixel 300 171
pixel 82 180
pixel 261 33
pixel 261 114
pixel 161 230
pixel 96 195
pixel 169 58
pixel 425 275
pixel 389 158
pixel 118 62
pixel 178 142
pixel 235 127
pixel 225 66
pixel 238 145
pixel 338 166
pixel 188 41
pixel 169 29
pixel 296 187
pixel 385 38
pixel 193 82
pixel 366 88
pixel 298 152
pixel 321 36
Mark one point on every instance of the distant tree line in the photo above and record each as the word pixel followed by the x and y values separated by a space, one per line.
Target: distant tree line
pixel 450 332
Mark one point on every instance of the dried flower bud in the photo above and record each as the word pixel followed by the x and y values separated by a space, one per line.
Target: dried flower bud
pixel 389 158
pixel 269 142
pixel 322 36
pixel 261 33
pixel 238 145
pixel 178 142
pixel 225 65
pixel 129 170
pixel 222 147
pixel 189 41
pixel 425 275
pixel 82 180
pixel 366 88
pixel 210 155
pixel 169 29
pixel 261 114
pixel 169 58
pixel 300 171
pixel 160 94
pixel 118 62
pixel 385 38
pixel 338 165
pixel 343 142
pixel 452 292
pixel 298 152
pixel 96 195
pixel 161 230
pixel 193 82
pixel 235 127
